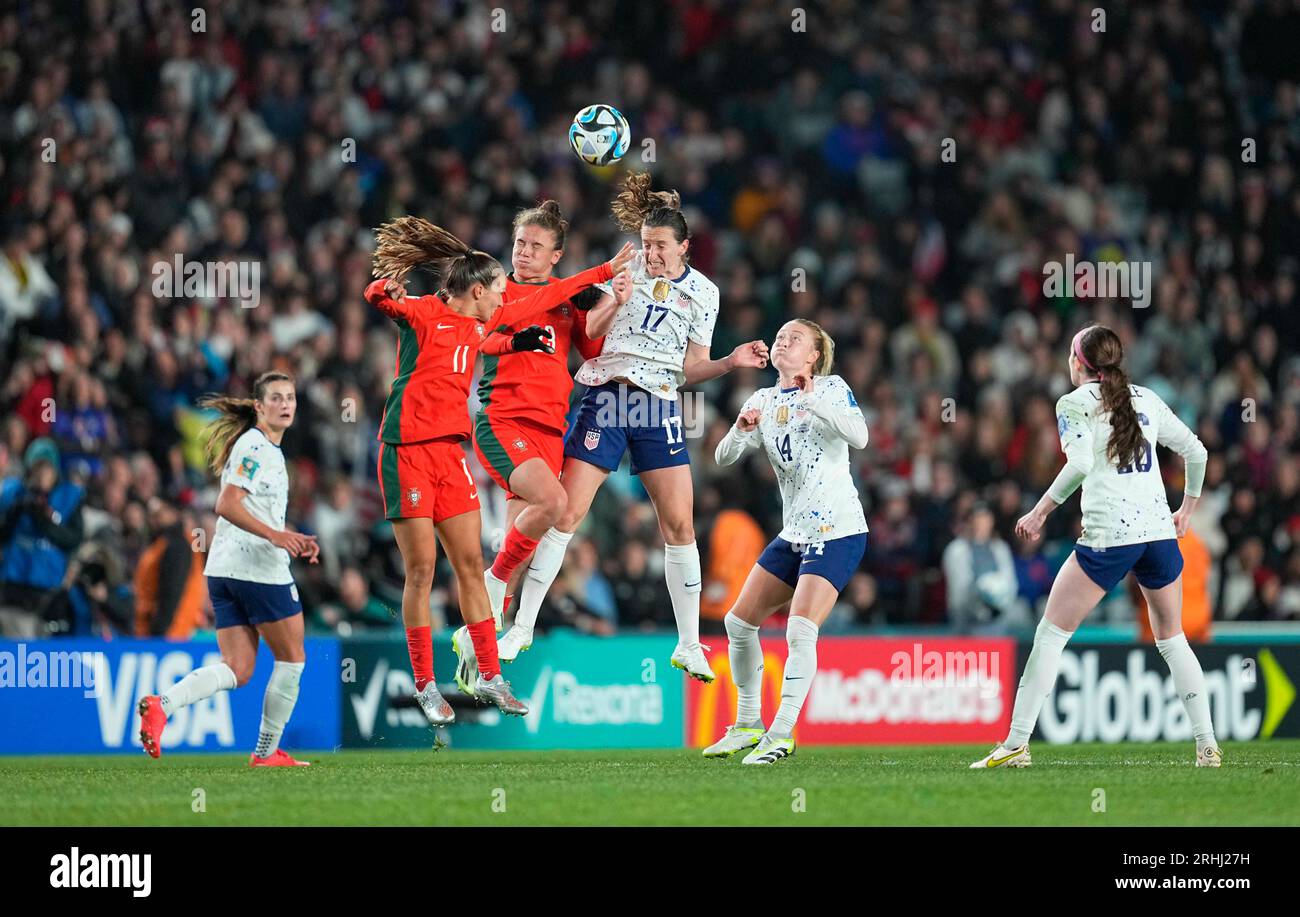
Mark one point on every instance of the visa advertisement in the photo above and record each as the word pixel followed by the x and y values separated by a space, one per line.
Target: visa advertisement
pixel 79 697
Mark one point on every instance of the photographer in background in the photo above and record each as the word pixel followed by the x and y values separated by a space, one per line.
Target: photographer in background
pixel 40 527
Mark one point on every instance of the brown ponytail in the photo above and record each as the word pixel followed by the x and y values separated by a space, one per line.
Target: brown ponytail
pixel 636 206
pixel 1102 352
pixel 409 242
pixel 825 347
pixel 547 215
pixel 238 416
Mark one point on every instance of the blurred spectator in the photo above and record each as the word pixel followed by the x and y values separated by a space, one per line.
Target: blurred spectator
pixel 171 593
pixel 980 575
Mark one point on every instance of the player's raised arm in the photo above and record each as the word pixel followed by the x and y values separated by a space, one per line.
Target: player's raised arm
pixel 838 409
pixel 389 297
pixel 742 436
pixel 548 297
pixel 600 317
pixel 697 366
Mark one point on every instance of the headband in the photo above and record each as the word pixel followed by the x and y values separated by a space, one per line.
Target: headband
pixel 1077 347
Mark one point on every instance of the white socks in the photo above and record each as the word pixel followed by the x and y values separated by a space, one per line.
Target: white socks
pixel 800 667
pixel 1036 683
pixel 682 571
pixel 547 560
pixel 1189 681
pixel 199 684
pixel 746 670
pixel 277 705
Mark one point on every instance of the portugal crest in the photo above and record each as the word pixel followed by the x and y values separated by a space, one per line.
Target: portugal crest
pixel 591 440
pixel 413 496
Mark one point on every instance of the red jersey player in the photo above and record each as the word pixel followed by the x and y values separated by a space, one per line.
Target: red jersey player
pixel 519 431
pixel 423 479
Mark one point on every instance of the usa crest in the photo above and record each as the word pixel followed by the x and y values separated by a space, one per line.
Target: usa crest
pixel 591 440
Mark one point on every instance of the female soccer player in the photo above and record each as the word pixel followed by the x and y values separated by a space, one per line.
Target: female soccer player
pixel 424 481
pixel 806 424
pixel 657 341
pixel 1109 430
pixel 252 590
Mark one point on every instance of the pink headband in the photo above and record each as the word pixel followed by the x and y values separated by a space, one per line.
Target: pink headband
pixel 1077 347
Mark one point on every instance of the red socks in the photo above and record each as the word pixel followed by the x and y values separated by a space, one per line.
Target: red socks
pixel 484 635
pixel 419 643
pixel 513 552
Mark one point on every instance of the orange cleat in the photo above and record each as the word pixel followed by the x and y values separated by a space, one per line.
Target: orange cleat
pixel 152 722
pixel 277 758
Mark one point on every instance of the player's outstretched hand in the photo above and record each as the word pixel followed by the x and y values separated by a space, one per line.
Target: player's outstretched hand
pixel 396 292
pixel 620 261
pixel 748 420
pixel 295 543
pixel 753 355
pixel 622 287
pixel 534 337
pixel 1030 526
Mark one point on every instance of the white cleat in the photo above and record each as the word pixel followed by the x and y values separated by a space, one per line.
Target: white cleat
pixel 434 706
pixel 496 591
pixel 1004 757
pixel 516 640
pixel 769 750
pixel 689 657
pixel 736 738
pixel 1209 757
pixel 462 644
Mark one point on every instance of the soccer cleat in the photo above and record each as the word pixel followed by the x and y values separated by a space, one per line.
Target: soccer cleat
pixel 769 750
pixel 277 758
pixel 462 644
pixel 1004 757
pixel 496 591
pixel 496 691
pixel 736 738
pixel 516 640
pixel 689 658
pixel 152 723
pixel 1209 757
pixel 436 709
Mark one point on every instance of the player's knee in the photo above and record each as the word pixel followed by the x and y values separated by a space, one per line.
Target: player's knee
pixel 569 520
pixel 552 506
pixel 243 669
pixel 677 531
pixel 419 574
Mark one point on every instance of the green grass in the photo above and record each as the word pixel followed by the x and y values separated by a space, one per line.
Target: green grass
pixel 1143 785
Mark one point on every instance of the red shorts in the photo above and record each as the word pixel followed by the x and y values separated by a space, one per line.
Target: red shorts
pixel 427 480
pixel 502 446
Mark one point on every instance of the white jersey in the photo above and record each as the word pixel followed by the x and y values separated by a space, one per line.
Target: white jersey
pixel 1123 504
pixel 807 440
pixel 257 465
pixel 647 342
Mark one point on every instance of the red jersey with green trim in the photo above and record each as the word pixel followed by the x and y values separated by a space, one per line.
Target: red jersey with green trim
pixel 436 351
pixel 535 385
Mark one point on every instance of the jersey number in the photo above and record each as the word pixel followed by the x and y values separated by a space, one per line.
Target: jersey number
pixel 649 312
pixel 1143 463
pixel 784 448
pixel 460 359
pixel 669 424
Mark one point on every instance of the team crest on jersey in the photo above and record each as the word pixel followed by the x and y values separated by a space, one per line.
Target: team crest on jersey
pixel 248 468
pixel 683 300
pixel 661 289
pixel 1061 424
pixel 413 496
pixel 480 330
pixel 591 440
pixel 783 414
pixel 519 445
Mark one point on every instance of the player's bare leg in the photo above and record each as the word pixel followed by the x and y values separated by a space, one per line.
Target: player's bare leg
pixel 238 647
pixel 762 595
pixel 460 537
pixel 581 480
pixel 419 547
pixel 1074 595
pixel 673 496
pixel 1165 607
pixel 540 505
pixel 814 597
pixel 285 640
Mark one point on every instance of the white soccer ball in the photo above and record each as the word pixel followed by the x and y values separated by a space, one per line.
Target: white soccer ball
pixel 599 135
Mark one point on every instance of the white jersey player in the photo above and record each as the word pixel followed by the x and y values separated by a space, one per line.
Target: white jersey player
pixel 658 329
pixel 1109 430
pixel 806 424
pixel 249 583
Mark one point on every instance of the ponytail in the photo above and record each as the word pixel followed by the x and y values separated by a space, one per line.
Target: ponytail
pixel 238 416
pixel 1100 351
pixel 409 242
pixel 825 347
pixel 636 206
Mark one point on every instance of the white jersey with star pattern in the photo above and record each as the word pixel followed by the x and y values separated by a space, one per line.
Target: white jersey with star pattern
pixel 257 465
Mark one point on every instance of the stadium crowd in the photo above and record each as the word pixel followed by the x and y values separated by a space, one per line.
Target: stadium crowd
pixel 899 172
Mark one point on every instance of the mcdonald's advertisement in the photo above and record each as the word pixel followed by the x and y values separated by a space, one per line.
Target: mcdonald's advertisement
pixel 883 691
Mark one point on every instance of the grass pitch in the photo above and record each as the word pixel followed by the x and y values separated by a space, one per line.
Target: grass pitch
pixel 1156 784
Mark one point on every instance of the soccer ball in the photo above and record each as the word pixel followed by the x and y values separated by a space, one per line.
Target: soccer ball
pixel 599 135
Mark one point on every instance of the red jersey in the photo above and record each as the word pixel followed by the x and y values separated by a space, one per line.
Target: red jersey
pixel 535 385
pixel 436 352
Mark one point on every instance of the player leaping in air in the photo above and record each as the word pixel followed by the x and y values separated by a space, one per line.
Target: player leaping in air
pixel 423 479
pixel 657 341
pixel 806 424
pixel 1109 430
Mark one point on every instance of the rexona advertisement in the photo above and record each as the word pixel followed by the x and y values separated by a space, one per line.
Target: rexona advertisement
pixel 582 692
pixel 80 696
pixel 1119 693
pixel 876 691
